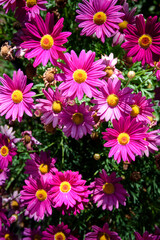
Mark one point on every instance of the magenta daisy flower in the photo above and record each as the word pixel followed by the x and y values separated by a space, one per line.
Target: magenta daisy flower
pixel 52 107
pixel 44 40
pixel 157 233
pixel 5 234
pixel 8 132
pixel 102 233
pixel 4 174
pixel 15 96
pixel 110 69
pixel 81 74
pixel 42 165
pixel 126 139
pixel 77 121
pixel 111 102
pixel 9 4
pixel 146 236
pixel 60 232
pixel 28 140
pixel 107 191
pixel 128 18
pixel 29 234
pixel 142 108
pixel 143 40
pixel 153 140
pixel 6 151
pixel 99 16
pixel 37 197
pixel 69 192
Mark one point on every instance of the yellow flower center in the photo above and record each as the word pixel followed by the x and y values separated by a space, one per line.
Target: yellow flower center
pixel 79 76
pixel 57 106
pixel 41 194
pixel 145 41
pixel 31 3
pixel 78 118
pixel 123 138
pixel 123 25
pixel 7 236
pixel 135 110
pixel 109 71
pixel 103 236
pixel 99 18
pixel 112 100
pixel 4 151
pixel 65 187
pixel 27 138
pixel 14 204
pixel 36 237
pixel 43 168
pixel 108 188
pixel 17 96
pixel 47 41
pixel 59 236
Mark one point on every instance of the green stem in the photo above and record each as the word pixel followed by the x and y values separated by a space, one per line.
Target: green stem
pixel 8 17
pixel 48 146
pixel 38 95
pixel 18 173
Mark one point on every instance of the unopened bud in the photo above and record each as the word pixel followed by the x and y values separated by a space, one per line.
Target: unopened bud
pixel 96 156
pixel 13 218
pixel 131 74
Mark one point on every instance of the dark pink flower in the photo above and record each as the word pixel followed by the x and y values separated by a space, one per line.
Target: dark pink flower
pixel 146 236
pixel 29 234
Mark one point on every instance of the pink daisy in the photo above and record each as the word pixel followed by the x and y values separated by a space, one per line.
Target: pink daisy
pixel 4 174
pixel 126 139
pixel 146 236
pixel 10 4
pixel 42 165
pixel 69 192
pixel 77 121
pixel 108 192
pixel 36 196
pixel 8 132
pixel 128 18
pixel 99 16
pixel 6 151
pixel 111 102
pixel 6 234
pixel 142 108
pixel 153 140
pixel 143 40
pixel 29 234
pixel 102 233
pixel 52 107
pixel 60 232
pixel 81 74
pixel 15 96
pixel 44 40
pixel 28 140
pixel 110 69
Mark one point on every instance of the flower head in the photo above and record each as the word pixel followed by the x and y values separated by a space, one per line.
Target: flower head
pixel 59 232
pixel 100 17
pixel 37 197
pixel 81 74
pixel 143 40
pixel 8 132
pixel 126 139
pixel 6 151
pixel 6 234
pixel 29 234
pixel 28 140
pixel 9 4
pixel 4 174
pixel 69 192
pixel 146 236
pixel 102 233
pixel 52 107
pixel 153 140
pixel 107 191
pixel 111 102
pixel 15 96
pixel 77 121
pixel 42 165
pixel 44 40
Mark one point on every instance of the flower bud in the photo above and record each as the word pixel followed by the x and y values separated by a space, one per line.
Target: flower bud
pixel 131 74
pixel 96 156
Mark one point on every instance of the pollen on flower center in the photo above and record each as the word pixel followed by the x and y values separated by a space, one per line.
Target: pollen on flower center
pixel 65 187
pixel 41 194
pixel 103 236
pixel 31 3
pixel 17 96
pixel 112 100
pixel 36 237
pixel 43 168
pixel 123 138
pixel 59 236
pixel 4 151
pixel 47 41
pixel 123 25
pixel 135 110
pixel 108 188
pixel 109 71
pixel 145 41
pixel 7 236
pixel 78 118
pixel 79 76
pixel 99 18
pixel 14 204
pixel 57 106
